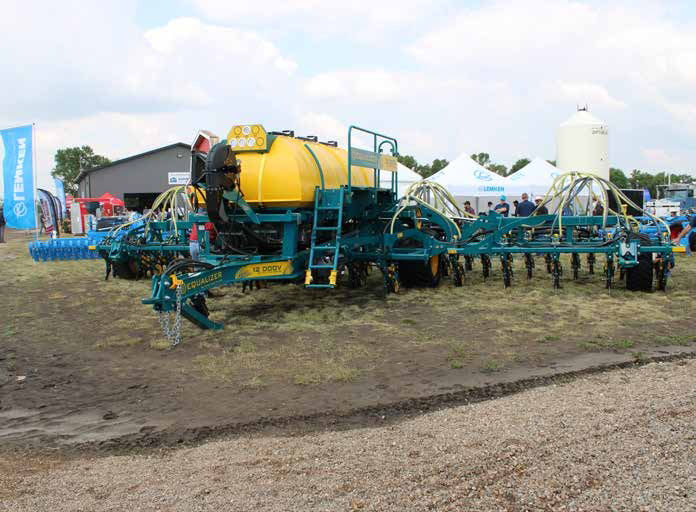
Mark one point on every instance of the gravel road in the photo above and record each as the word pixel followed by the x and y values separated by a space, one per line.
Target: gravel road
pixel 623 440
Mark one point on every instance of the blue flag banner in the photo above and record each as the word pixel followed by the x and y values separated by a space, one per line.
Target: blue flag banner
pixel 17 166
pixel 60 194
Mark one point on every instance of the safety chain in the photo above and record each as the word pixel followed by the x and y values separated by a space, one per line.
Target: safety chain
pixel 172 334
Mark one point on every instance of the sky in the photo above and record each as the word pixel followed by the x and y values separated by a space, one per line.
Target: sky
pixel 444 77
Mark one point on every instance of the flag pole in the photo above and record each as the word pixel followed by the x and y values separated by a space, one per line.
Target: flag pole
pixel 34 171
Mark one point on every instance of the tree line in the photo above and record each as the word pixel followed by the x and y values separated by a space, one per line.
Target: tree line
pixel 635 179
pixel 483 159
pixel 646 180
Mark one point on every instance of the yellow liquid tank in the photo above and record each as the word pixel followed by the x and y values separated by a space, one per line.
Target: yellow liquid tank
pixel 287 175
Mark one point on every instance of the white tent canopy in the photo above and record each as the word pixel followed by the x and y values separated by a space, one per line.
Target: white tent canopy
pixel 535 178
pixel 405 177
pixel 465 177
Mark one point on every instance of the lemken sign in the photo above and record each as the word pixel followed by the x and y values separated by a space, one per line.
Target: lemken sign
pixel 178 178
pixel 17 165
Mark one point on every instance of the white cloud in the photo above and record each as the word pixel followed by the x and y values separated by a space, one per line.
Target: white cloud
pixel 362 20
pixel 327 127
pixel 322 125
pixel 99 80
pixel 535 60
pixel 194 43
pixel 659 157
pixel 62 65
pixel 376 85
pixel 498 76
pixel 583 93
pixel 114 135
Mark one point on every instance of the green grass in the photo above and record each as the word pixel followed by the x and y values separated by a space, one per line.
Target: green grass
pixel 639 357
pixel 459 355
pixel 676 339
pixel 606 344
pixel 326 371
pixel 491 366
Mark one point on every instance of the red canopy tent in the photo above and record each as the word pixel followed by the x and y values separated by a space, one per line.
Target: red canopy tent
pixel 111 199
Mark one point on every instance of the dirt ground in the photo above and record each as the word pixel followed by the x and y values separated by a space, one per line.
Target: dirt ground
pixel 83 361
pixel 620 440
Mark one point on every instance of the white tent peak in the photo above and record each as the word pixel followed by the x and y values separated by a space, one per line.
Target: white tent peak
pixel 406 174
pixel 462 166
pixel 466 177
pixel 405 177
pixel 534 178
pixel 536 168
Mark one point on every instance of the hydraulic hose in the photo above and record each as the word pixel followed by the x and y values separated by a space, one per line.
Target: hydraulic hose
pixel 167 199
pixel 568 186
pixel 435 197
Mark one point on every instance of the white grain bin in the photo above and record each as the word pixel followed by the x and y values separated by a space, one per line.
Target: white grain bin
pixel 582 144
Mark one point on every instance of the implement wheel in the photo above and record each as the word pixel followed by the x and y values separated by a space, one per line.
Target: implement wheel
pixel 357 274
pixel 640 277
pixel 415 273
pixel 123 269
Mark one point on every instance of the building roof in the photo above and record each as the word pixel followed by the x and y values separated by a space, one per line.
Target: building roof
pixel 128 158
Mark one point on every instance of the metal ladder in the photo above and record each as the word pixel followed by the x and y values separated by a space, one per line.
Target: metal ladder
pixel 325 202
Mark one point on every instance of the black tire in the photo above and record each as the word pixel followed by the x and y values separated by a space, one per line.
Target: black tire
pixel 418 273
pixel 122 270
pixel 640 277
pixel 357 274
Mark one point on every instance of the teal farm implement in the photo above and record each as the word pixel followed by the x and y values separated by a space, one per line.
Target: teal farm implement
pixel 297 210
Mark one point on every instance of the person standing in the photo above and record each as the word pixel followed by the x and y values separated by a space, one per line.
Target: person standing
pixel 502 207
pixel 688 229
pixel 540 209
pixel 194 247
pixel 525 208
pixel 468 208
pixel 515 204
pixel 3 222
pixel 598 209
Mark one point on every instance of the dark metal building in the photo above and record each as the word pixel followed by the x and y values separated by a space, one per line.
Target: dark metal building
pixel 138 179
